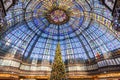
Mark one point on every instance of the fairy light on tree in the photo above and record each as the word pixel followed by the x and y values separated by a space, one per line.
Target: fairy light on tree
pixel 58 68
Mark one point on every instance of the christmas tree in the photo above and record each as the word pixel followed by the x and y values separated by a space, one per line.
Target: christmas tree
pixel 58 67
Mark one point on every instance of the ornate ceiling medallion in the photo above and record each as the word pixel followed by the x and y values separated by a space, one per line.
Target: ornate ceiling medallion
pixel 57 16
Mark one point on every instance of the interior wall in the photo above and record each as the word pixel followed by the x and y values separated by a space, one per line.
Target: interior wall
pixel 33 79
pixel 79 79
pixel 110 79
pixel 8 79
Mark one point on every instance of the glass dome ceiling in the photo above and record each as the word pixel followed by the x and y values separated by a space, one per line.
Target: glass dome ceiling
pixel 82 27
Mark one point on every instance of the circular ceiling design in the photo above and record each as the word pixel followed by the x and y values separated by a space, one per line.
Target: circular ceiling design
pixel 66 17
pixel 36 27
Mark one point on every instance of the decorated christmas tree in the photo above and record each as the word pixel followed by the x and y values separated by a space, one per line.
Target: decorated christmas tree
pixel 58 67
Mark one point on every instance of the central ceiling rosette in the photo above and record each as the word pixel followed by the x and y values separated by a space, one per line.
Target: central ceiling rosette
pixel 57 16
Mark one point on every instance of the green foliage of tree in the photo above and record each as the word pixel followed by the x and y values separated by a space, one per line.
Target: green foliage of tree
pixel 58 67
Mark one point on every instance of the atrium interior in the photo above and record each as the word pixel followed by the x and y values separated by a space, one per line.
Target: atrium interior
pixel 59 39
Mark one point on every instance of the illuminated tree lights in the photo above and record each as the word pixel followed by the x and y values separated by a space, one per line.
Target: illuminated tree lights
pixel 58 67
